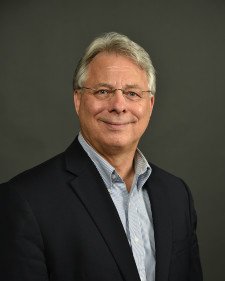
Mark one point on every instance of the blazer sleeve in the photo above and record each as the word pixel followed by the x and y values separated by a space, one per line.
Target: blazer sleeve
pixel 195 264
pixel 21 245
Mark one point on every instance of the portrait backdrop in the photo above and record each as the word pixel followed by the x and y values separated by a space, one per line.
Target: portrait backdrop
pixel 41 43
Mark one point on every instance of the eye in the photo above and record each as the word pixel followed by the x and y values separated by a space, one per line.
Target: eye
pixel 101 92
pixel 133 95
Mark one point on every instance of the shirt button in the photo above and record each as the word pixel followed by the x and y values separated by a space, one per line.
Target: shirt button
pixel 136 239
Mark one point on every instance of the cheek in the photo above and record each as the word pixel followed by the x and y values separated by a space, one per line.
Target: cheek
pixel 142 112
pixel 90 108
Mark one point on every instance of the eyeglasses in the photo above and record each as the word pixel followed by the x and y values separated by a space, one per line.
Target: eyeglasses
pixel 107 94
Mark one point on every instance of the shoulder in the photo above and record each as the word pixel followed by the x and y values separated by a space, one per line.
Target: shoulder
pixel 50 171
pixel 173 185
pixel 45 169
pixel 37 179
pixel 50 178
pixel 177 192
pixel 163 176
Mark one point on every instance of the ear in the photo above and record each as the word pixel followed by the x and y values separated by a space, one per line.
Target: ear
pixel 76 99
pixel 151 102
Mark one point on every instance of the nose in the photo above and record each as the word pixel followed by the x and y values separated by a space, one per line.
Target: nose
pixel 118 102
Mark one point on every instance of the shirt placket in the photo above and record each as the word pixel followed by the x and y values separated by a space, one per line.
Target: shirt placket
pixel 135 228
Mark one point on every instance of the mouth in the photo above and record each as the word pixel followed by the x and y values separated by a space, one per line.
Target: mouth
pixel 116 125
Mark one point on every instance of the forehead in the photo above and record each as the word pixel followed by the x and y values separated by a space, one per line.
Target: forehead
pixel 115 66
pixel 112 60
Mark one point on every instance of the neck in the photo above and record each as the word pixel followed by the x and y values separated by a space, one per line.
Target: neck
pixel 121 158
pixel 123 163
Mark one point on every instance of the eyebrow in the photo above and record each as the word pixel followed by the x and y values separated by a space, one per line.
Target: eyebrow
pixel 127 86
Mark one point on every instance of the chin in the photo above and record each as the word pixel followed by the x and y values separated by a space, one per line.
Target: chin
pixel 118 143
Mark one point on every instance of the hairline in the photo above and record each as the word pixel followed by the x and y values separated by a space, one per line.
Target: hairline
pixel 120 45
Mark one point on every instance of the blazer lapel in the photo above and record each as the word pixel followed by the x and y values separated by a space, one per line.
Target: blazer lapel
pixel 90 189
pixel 162 225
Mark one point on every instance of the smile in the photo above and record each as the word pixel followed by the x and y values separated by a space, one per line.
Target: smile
pixel 115 125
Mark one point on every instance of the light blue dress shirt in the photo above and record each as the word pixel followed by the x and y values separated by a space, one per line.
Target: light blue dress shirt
pixel 133 207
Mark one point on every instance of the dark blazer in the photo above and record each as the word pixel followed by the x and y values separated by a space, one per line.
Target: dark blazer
pixel 58 223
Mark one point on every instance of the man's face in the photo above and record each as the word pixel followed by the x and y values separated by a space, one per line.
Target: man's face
pixel 116 124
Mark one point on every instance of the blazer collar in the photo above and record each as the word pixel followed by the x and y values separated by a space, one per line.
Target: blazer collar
pixel 162 223
pixel 90 189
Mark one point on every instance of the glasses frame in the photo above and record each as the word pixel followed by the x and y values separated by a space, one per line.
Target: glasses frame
pixel 112 93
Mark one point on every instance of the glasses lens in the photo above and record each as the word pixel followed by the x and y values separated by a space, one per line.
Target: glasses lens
pixel 134 94
pixel 102 94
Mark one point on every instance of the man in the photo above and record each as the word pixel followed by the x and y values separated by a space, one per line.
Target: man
pixel 99 211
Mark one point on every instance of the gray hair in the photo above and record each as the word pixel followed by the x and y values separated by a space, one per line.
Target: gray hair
pixel 113 42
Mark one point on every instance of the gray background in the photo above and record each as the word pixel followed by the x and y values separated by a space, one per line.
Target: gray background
pixel 41 42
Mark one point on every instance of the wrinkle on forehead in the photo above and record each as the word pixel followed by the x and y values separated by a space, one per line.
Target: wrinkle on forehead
pixel 115 70
pixel 108 85
pixel 120 68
